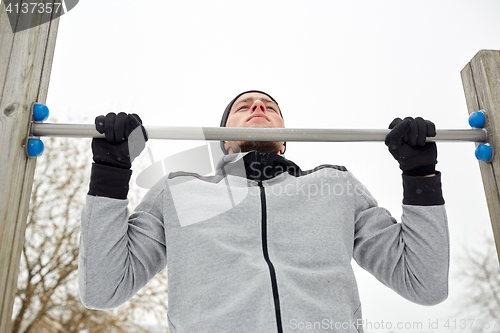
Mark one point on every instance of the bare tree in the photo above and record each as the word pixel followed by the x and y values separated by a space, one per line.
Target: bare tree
pixel 480 275
pixel 47 298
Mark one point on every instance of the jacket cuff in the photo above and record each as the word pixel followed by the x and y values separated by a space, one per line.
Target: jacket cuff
pixel 421 171
pixel 109 181
pixel 422 191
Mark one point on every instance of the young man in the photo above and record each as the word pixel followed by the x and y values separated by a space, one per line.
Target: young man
pixel 261 246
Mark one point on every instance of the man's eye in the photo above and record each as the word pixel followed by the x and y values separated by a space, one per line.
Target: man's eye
pixel 242 107
pixel 271 108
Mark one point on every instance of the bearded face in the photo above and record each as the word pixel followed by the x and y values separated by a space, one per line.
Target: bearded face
pixel 255 110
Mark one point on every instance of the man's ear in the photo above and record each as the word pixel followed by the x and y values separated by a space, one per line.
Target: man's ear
pixel 227 146
pixel 282 150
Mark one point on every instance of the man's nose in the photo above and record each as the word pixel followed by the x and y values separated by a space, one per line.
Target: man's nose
pixel 258 105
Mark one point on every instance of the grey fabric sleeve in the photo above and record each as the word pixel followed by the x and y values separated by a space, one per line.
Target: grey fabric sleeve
pixel 411 257
pixel 119 254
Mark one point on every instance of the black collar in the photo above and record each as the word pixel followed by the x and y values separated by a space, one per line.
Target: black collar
pixel 257 166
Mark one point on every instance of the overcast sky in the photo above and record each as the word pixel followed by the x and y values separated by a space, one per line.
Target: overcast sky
pixel 329 64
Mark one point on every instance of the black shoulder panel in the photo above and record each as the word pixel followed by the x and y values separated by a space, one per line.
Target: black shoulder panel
pixel 211 179
pixel 323 166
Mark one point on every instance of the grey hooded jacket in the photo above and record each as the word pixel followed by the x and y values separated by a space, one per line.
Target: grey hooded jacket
pixel 263 246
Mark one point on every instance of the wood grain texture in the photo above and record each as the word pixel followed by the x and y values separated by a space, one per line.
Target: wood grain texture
pixel 25 63
pixel 481 82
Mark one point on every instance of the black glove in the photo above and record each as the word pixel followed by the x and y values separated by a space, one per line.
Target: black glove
pixel 407 143
pixel 122 144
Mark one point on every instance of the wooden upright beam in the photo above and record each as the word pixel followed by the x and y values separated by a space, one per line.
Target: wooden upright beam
pixel 25 64
pixel 481 81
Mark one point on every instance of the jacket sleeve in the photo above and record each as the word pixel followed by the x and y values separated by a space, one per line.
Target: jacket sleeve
pixel 411 257
pixel 119 253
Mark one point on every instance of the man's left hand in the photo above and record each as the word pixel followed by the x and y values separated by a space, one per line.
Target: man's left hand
pixel 407 143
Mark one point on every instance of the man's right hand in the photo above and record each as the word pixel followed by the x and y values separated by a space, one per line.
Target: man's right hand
pixel 125 139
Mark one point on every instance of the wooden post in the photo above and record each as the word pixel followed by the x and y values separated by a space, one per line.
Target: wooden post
pixel 25 64
pixel 481 81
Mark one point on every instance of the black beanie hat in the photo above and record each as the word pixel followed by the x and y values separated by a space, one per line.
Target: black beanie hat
pixel 225 115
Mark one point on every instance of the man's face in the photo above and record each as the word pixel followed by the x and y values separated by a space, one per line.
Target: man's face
pixel 255 110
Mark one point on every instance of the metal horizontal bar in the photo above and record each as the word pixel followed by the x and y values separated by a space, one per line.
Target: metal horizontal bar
pixel 255 134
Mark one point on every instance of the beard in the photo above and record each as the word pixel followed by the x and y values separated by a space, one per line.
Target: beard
pixel 261 146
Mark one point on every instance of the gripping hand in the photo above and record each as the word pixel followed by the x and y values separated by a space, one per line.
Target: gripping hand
pixel 125 139
pixel 407 143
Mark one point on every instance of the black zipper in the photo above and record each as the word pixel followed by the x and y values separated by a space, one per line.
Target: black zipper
pixel 272 272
